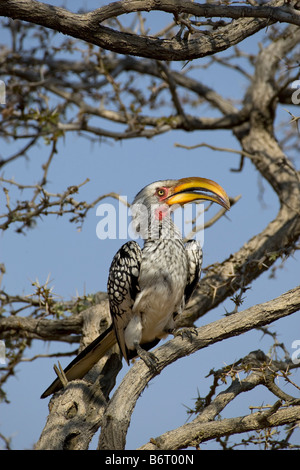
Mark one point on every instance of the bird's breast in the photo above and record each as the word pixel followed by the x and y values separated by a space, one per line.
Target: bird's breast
pixel 162 280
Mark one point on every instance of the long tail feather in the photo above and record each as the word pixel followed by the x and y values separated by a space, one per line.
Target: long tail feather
pixel 82 363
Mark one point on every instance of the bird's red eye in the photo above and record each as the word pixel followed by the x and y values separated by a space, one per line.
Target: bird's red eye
pixel 161 192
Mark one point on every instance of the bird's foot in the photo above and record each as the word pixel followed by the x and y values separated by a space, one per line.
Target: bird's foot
pixel 149 358
pixel 186 331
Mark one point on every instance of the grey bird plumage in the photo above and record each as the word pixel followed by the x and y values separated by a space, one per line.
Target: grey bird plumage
pixel 149 287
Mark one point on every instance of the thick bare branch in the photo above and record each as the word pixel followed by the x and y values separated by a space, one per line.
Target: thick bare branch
pixel 59 330
pixel 118 413
pixel 195 433
pixel 258 141
pixel 75 415
pixel 262 369
pixel 282 14
pixel 88 28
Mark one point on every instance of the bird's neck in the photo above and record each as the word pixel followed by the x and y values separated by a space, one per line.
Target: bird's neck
pixel 162 229
pixel 155 224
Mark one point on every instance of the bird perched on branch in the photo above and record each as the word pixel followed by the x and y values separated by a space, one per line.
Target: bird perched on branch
pixel 149 287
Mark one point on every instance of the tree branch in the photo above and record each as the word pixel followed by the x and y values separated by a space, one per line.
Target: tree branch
pixel 119 410
pixel 76 412
pixel 194 433
pixel 283 14
pixel 59 330
pixel 280 235
pixel 87 26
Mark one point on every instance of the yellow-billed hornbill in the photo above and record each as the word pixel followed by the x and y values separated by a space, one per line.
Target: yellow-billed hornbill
pixel 149 287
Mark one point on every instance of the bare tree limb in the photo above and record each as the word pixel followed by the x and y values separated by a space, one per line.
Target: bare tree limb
pixel 88 28
pixel 60 330
pixel 75 414
pixel 282 14
pixel 195 433
pixel 118 413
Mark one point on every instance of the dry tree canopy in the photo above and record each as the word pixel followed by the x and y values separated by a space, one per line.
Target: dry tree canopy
pixel 97 100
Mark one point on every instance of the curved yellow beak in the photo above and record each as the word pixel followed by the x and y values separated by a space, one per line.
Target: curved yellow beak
pixel 198 189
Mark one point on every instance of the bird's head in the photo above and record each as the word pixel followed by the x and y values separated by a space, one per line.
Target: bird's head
pixel 182 191
pixel 159 197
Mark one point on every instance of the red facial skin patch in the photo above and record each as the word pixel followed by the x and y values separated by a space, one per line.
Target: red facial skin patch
pixel 160 212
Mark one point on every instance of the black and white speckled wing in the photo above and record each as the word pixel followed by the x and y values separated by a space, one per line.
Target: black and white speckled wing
pixel 122 288
pixel 194 255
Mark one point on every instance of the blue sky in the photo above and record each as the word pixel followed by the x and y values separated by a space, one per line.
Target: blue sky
pixel 77 262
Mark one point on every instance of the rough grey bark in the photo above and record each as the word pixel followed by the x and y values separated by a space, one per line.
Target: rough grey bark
pixel 88 26
pixel 119 410
pixel 75 414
